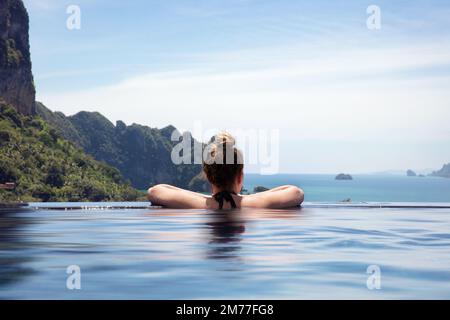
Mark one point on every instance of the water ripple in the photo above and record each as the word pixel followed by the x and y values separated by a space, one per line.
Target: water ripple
pixel 194 254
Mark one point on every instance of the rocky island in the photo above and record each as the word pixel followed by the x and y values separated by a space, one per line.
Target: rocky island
pixel 343 176
pixel 444 172
pixel 411 173
pixel 259 189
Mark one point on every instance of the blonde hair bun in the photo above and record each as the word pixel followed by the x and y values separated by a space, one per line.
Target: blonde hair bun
pixel 217 166
pixel 225 138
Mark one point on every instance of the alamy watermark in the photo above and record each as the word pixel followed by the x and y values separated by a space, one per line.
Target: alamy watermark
pixel 260 147
pixel 73 21
pixel 373 22
pixel 374 280
pixel 73 281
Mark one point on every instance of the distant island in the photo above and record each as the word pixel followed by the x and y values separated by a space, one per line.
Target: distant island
pixel 410 173
pixel 343 176
pixel 444 172
pixel 259 189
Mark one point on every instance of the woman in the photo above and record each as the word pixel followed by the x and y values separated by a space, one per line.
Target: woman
pixel 223 168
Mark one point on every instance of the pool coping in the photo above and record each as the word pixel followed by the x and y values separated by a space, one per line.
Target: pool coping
pixel 141 205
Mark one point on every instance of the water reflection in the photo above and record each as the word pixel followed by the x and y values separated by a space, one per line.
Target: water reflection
pixel 193 254
pixel 226 229
pixel 12 247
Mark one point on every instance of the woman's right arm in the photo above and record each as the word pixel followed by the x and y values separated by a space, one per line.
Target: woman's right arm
pixel 277 198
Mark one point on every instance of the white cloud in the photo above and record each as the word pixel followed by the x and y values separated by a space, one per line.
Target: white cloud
pixel 353 96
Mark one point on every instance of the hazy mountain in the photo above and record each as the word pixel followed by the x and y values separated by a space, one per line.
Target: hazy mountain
pixel 403 172
pixel 444 172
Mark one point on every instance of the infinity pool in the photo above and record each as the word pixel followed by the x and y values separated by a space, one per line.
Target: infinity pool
pixel 129 251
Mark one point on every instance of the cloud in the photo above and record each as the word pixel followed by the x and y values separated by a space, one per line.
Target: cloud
pixel 386 97
pixel 327 82
pixel 350 95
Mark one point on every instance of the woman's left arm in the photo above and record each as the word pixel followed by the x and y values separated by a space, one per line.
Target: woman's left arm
pixel 276 198
pixel 177 198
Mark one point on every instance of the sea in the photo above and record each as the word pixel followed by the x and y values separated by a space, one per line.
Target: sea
pixel 363 188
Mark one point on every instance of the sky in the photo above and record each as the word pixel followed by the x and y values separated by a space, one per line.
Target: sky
pixel 342 97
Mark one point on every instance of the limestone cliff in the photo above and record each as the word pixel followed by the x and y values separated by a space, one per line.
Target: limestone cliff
pixel 16 78
pixel 142 154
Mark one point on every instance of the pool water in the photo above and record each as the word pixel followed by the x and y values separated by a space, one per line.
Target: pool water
pixel 318 251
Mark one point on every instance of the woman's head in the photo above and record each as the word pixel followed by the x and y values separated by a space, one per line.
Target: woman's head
pixel 224 163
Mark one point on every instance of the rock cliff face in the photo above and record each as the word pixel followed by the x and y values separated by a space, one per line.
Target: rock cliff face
pixel 16 78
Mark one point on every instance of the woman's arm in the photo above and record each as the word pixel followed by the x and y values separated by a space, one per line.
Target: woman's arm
pixel 177 198
pixel 277 198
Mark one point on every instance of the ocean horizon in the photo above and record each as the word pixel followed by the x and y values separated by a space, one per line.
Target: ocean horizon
pixel 363 187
